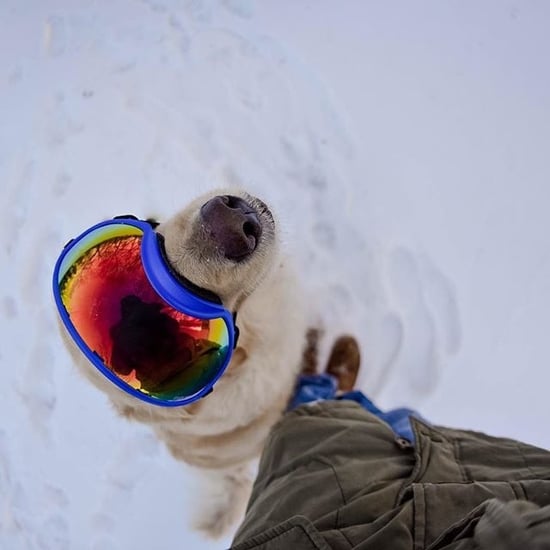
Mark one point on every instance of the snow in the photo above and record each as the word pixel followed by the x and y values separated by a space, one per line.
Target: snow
pixel 404 147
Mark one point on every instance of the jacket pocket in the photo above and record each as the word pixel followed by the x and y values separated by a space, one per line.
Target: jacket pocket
pixel 439 507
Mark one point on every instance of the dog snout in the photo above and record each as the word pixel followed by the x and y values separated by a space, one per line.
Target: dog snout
pixel 233 224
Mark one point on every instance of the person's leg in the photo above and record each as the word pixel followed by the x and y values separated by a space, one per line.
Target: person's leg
pixel 344 362
pixel 398 419
pixel 313 387
pixel 340 373
pixel 338 382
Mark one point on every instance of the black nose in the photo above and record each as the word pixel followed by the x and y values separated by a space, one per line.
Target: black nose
pixel 233 224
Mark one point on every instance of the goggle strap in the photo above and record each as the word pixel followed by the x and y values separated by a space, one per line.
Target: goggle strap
pixel 192 287
pixel 152 222
pixel 236 330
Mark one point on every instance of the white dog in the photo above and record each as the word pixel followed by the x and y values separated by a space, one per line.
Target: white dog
pixel 227 242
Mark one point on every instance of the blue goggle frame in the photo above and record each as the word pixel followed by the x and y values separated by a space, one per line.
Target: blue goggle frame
pixel 179 293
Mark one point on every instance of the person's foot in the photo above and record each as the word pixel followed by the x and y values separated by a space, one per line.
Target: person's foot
pixel 311 352
pixel 344 362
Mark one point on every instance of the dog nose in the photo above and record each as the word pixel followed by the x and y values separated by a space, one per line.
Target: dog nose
pixel 233 224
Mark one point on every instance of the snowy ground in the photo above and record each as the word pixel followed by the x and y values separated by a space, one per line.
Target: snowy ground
pixel 406 148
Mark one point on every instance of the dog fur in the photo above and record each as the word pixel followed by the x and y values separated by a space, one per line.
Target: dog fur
pixel 223 432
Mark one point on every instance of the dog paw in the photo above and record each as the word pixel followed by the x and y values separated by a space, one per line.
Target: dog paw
pixel 215 523
pixel 223 503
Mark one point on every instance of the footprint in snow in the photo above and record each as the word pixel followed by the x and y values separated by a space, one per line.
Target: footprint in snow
pixel 39 397
pixel 132 460
pixel 8 307
pixel 387 336
pixel 128 466
pixel 54 533
pixel 428 310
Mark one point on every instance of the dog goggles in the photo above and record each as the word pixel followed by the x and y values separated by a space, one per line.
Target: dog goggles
pixel 147 329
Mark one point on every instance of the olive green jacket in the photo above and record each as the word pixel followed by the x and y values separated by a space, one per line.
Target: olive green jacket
pixel 333 476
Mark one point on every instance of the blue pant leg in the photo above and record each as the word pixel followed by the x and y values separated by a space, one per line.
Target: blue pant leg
pixel 313 387
pixel 399 419
pixel 360 398
pixel 318 387
pixel 400 422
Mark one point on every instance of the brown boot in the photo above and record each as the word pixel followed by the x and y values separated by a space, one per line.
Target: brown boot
pixel 311 351
pixel 344 362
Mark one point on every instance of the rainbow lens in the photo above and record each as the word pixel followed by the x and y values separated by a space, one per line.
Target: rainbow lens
pixel 145 342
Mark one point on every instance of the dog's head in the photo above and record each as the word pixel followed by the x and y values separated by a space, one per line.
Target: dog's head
pixel 224 241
